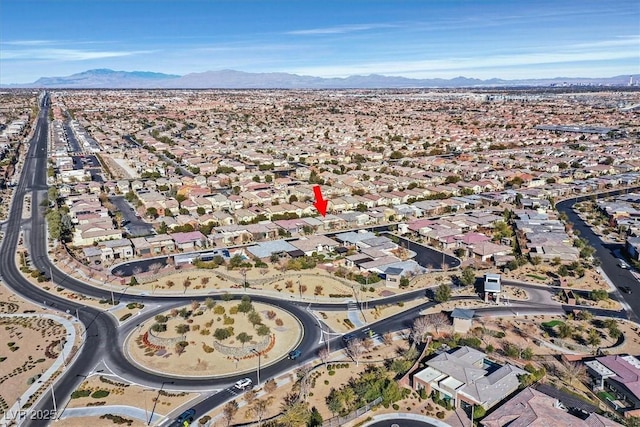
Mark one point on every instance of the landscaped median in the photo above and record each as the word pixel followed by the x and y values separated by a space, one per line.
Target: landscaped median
pixel 216 338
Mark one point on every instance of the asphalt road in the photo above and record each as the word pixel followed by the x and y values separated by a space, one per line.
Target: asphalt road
pixel 400 422
pixel 606 253
pixel 71 137
pixel 135 226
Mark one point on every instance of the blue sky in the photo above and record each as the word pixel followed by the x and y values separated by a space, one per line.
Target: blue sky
pixel 419 39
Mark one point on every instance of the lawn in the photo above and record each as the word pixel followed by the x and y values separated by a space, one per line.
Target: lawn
pixel 552 323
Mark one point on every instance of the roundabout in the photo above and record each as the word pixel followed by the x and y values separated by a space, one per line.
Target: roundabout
pixel 216 339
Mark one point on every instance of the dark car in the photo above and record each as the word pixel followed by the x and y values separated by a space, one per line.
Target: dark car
pixel 347 338
pixel 187 415
pixel 293 355
pixel 626 289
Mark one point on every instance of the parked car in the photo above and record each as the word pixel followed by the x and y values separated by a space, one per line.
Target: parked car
pixel 626 289
pixel 622 264
pixel 293 355
pixel 243 383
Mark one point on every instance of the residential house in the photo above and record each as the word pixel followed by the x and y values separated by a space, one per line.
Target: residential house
pixel 619 378
pixel 88 234
pixel 116 249
pixel 533 408
pixel 188 241
pixel 318 243
pixel 465 377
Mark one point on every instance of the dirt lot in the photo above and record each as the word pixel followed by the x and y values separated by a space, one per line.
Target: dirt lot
pixel 28 347
pixel 121 393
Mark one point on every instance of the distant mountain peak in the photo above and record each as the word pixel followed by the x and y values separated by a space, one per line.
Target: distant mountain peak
pixel 233 79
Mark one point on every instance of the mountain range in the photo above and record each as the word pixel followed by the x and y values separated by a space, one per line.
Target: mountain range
pixel 232 79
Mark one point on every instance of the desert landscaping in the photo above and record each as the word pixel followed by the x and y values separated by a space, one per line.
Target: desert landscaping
pixel 215 339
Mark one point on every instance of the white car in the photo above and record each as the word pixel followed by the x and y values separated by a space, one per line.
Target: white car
pixel 243 383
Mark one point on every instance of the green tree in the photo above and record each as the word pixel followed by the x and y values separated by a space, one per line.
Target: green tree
pixel 244 338
pixel 182 328
pixel 564 330
pixel 180 198
pixel 478 412
pixel 152 212
pixel 443 293
pixel 296 414
pixel 599 295
pixel 404 282
pixel 468 276
pixel 263 330
pixel 315 419
pixel 54 224
pixel 221 334
pixel 334 403
pixel 245 305
pixel 235 261
pixel 593 337
pixel 254 317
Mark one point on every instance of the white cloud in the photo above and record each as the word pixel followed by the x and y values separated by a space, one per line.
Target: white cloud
pixel 29 42
pixel 64 54
pixel 618 49
pixel 340 29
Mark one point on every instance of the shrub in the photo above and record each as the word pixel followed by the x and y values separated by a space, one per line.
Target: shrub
pixel 395 407
pixel 222 334
pixel 116 419
pixel 99 394
pixel 331 373
pixel 218 309
pixel 80 393
pixel 440 415
pixel 279 322
pixel 125 316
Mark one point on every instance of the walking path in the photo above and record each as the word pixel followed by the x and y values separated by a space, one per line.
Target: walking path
pixel 122 410
pixel 16 410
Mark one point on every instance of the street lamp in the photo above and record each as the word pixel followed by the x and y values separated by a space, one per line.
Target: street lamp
pixel 146 412
pixel 244 278
pixel 158 398
pixel 254 351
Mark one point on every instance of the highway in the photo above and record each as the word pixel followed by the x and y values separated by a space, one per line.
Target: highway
pixel 103 338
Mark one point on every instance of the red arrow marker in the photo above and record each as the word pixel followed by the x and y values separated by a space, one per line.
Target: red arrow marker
pixel 320 204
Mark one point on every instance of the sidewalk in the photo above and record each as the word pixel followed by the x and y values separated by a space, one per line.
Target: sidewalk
pixel 122 410
pixel 13 412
